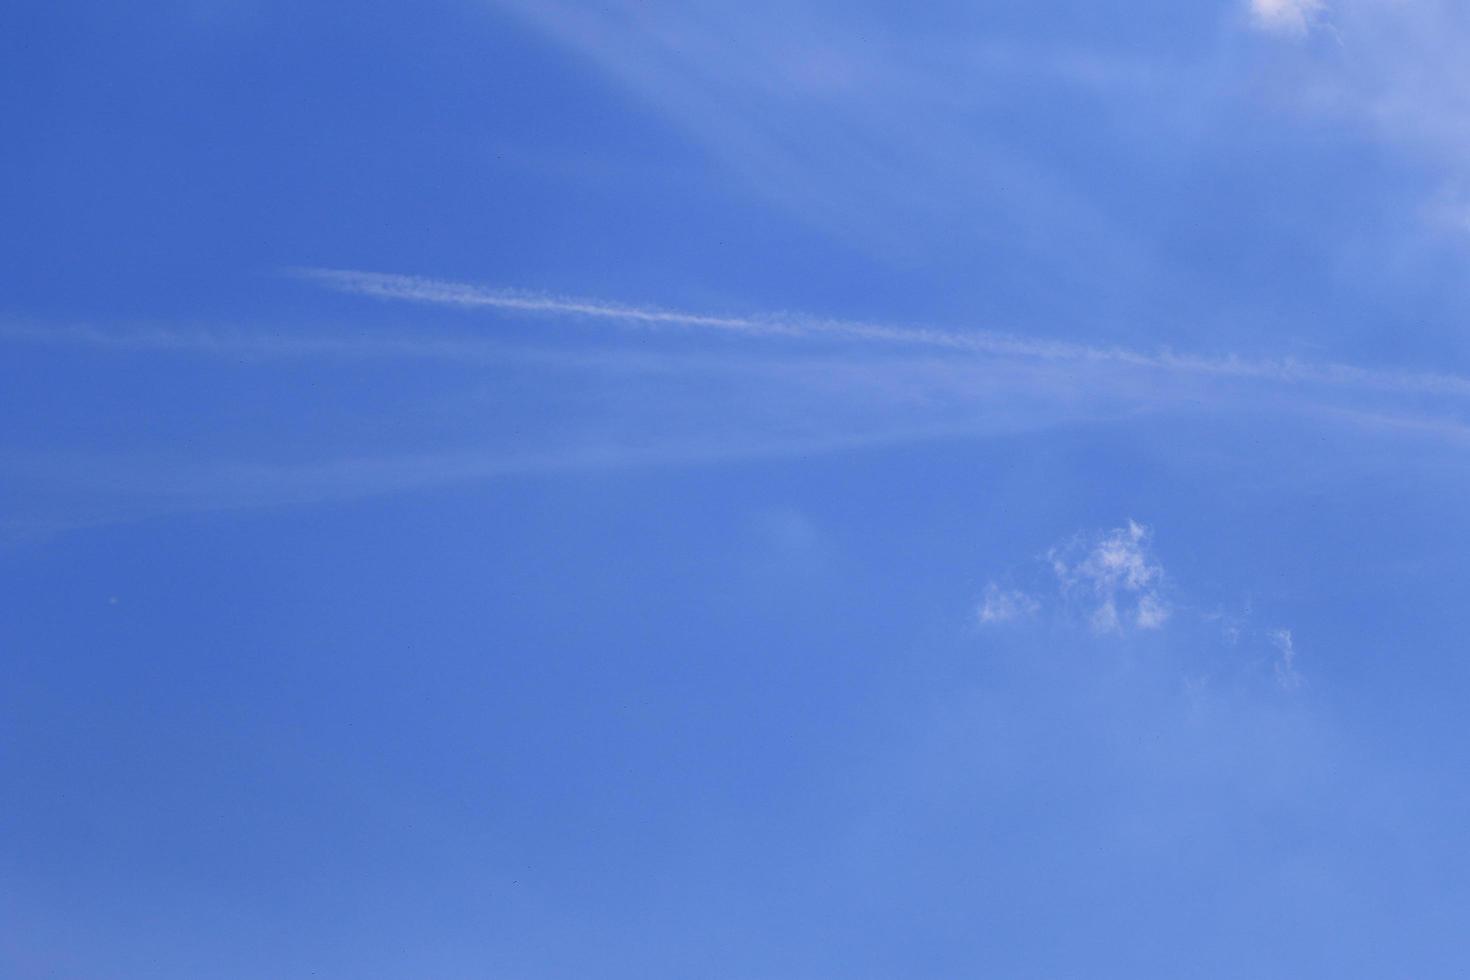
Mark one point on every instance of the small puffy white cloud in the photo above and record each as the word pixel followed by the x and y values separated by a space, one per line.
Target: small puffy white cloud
pixel 1116 575
pixel 1005 605
pixel 1285 16
pixel 1111 583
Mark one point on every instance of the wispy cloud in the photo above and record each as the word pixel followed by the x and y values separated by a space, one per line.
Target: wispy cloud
pixel 93 488
pixel 1152 612
pixel 1111 577
pixel 261 343
pixel 1285 16
pixel 1285 666
pixel 439 292
pixel 869 384
pixel 1005 605
pixel 1115 576
pixel 1397 71
pixel 274 343
pixel 866 135
pixel 1111 583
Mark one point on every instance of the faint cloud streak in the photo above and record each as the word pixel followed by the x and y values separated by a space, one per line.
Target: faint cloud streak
pixel 1285 371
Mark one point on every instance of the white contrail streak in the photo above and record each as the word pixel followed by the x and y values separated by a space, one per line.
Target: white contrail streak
pixel 442 293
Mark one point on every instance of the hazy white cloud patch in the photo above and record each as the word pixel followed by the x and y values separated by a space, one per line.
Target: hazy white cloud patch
pixel 1104 619
pixel 1005 605
pixel 1285 667
pixel 1152 613
pixel 1397 71
pixel 1286 16
pixel 865 136
pixel 1115 576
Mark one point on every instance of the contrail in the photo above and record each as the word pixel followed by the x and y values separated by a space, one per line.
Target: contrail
pixel 1283 370
pixel 273 343
pixel 141 488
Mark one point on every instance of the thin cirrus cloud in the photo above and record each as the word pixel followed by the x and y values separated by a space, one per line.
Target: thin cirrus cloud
pixel 437 292
pixel 272 344
pixel 813 113
pixel 1396 71
pixel 135 488
pixel 927 384
pixel 462 349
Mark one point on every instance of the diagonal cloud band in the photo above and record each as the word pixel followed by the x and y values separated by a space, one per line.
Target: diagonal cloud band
pixel 438 292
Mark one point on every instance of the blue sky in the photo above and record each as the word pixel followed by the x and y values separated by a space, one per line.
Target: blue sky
pixel 522 488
